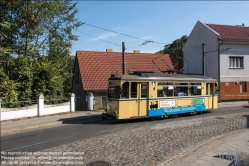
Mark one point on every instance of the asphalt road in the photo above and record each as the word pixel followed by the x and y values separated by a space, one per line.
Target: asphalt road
pixel 47 137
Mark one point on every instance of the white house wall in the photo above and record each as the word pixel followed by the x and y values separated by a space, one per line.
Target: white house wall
pixel 193 51
pixel 232 75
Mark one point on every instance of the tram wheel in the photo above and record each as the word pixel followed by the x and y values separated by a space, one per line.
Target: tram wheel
pixel 152 119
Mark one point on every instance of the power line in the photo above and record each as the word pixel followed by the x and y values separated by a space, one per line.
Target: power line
pixel 133 46
pixel 115 32
pixel 99 38
pixel 124 34
pixel 146 41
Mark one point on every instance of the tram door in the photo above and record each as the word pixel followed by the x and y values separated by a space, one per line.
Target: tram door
pixel 210 89
pixel 139 94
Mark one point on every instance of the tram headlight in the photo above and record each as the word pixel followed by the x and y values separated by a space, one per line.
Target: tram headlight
pixel 108 107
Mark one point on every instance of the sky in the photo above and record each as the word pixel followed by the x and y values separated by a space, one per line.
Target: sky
pixel 159 21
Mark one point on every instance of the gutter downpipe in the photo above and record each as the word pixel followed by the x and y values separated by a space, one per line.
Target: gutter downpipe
pixel 220 41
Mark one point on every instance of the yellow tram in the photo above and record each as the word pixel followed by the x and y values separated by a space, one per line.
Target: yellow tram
pixel 144 94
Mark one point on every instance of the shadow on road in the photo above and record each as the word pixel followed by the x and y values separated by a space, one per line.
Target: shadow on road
pixel 96 119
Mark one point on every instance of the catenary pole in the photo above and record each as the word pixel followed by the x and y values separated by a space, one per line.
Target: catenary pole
pixel 203 59
pixel 123 58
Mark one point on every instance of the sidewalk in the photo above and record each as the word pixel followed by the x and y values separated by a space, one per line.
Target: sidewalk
pixel 233 104
pixel 35 122
pixel 231 151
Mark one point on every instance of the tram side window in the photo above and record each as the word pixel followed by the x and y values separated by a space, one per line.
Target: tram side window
pixel 144 89
pixel 195 89
pixel 181 89
pixel 125 90
pixel 114 92
pixel 133 89
pixel 164 89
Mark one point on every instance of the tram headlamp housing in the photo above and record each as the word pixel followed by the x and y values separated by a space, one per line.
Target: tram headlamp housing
pixel 108 107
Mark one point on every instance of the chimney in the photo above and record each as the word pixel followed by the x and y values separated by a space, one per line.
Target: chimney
pixel 136 51
pixel 108 50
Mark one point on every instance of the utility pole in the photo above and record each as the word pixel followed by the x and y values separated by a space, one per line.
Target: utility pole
pixel 123 58
pixel 203 59
pixel 220 41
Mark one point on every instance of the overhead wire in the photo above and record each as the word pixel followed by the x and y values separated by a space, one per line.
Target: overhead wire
pixel 99 38
pixel 114 32
pixel 149 41
pixel 146 41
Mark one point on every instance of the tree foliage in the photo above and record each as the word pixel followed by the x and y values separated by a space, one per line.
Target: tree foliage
pixel 175 50
pixel 36 39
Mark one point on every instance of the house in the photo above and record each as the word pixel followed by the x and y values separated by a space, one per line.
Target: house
pixel 222 52
pixel 92 70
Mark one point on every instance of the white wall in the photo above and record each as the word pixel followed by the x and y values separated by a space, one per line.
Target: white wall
pixel 192 51
pixel 55 109
pixel 233 75
pixel 31 111
pixel 37 109
pixel 16 113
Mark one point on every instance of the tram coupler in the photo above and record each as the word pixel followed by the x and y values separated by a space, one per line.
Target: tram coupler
pixel 109 116
pixel 104 116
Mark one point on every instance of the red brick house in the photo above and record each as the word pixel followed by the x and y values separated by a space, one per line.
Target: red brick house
pixel 92 70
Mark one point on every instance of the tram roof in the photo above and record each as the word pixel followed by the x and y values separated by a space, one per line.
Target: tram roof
pixel 163 77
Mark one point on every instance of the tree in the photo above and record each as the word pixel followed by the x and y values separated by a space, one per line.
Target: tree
pixel 175 50
pixel 36 38
pixel 49 77
pixel 7 88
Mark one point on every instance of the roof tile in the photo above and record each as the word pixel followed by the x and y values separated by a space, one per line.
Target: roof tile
pixel 231 33
pixel 96 67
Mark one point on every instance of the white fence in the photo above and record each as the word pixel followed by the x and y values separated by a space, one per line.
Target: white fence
pixel 37 109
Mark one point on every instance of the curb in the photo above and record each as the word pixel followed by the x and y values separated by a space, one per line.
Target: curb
pixel 51 123
pixel 232 105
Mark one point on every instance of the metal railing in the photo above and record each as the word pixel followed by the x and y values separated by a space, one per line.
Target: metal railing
pixel 17 104
pixel 56 101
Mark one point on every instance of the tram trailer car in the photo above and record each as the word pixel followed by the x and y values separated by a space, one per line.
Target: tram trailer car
pixel 153 95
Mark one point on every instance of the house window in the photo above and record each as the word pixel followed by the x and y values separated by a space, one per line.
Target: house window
pixel 242 87
pixel 236 62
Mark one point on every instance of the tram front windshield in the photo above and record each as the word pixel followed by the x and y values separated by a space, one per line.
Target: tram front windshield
pixel 118 92
pixel 114 92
